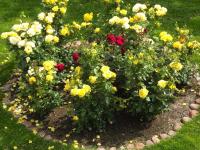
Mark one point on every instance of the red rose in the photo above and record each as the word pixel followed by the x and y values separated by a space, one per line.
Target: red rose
pixel 119 40
pixel 123 50
pixel 60 67
pixel 75 56
pixel 111 38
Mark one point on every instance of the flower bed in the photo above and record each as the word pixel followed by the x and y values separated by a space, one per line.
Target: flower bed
pixel 127 66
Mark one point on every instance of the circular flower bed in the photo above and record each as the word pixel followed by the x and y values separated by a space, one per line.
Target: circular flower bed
pixel 126 64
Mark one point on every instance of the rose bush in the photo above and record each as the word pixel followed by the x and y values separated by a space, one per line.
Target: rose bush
pixel 125 64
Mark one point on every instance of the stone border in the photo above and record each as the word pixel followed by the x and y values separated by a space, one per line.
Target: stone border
pixel 193 111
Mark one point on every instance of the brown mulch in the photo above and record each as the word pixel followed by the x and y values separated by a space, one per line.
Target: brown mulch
pixel 125 129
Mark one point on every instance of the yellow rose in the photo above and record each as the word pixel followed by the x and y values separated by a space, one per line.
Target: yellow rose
pixel 88 17
pixel 105 68
pixel 28 50
pixel 75 118
pixel 48 65
pixel 164 36
pixel 81 92
pixel 172 86
pixel 64 31
pixel 63 10
pixel 114 89
pixel 143 93
pixel 56 39
pixel 97 30
pixel 162 83
pixel 176 66
pixel 107 75
pixel 92 79
pixel 123 12
pixel 49 78
pixel 118 1
pixel 67 85
pixel 55 8
pixel 178 45
pixel 32 80
pixel 74 92
pixel 87 88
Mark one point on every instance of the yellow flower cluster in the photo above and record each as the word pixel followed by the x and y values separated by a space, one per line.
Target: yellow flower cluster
pixel 124 22
pixel 86 89
pixel 164 36
pixel 139 17
pixel 49 67
pixel 160 11
pixel 50 39
pixel 193 44
pixel 107 74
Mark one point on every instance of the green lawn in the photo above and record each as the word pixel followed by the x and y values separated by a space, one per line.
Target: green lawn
pixel 186 12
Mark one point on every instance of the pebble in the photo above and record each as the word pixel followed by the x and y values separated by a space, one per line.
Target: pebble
pixel 41 134
pixel 197 101
pixel 193 113
pixel 130 147
pixel 185 119
pixel 47 137
pixel 177 126
pixel 101 148
pixel 149 142
pixel 155 139
pixel 194 106
pixel 164 136
pixel 113 148
pixel 139 146
pixel 171 133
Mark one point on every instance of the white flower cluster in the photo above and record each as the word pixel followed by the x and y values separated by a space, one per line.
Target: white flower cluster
pixel 124 22
pixel 47 18
pixel 139 7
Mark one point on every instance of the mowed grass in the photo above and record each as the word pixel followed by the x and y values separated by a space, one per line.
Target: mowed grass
pixel 185 12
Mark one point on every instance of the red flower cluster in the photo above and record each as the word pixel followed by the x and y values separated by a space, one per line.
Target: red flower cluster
pixel 119 40
pixel 60 67
pixel 112 39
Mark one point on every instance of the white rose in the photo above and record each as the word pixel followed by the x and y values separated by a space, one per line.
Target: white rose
pixel 28 59
pixel 28 50
pixel 41 16
pixel 24 26
pixel 21 43
pixel 157 6
pixel 49 19
pixel 31 32
pixel 49 38
pixel 31 71
pixel 14 40
pixel 126 26
pixel 137 7
pixel 16 27
pixel 31 44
